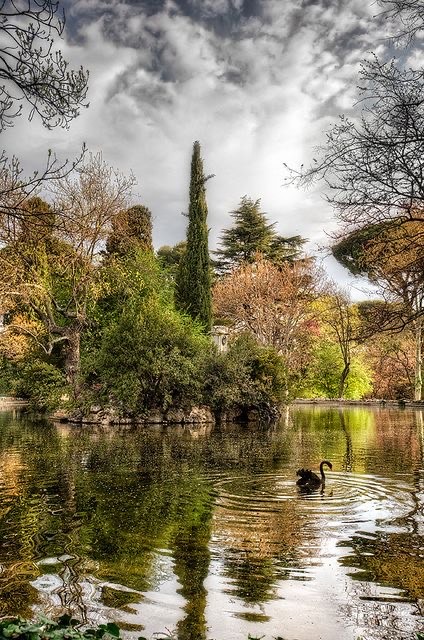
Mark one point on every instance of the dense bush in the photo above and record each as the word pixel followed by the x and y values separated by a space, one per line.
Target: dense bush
pixel 8 376
pixel 150 358
pixel 43 384
pixel 246 376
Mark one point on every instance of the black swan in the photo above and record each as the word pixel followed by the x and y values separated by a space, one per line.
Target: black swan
pixel 309 480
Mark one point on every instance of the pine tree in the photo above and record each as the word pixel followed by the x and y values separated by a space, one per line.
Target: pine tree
pixel 193 285
pixel 253 234
pixel 131 229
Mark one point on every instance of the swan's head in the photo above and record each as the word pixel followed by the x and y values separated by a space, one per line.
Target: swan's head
pixel 328 463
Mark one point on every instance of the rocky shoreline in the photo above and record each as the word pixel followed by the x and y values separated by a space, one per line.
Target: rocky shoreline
pixel 99 415
pixel 195 415
pixel 8 401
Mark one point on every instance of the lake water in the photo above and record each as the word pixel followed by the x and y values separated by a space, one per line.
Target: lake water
pixel 204 532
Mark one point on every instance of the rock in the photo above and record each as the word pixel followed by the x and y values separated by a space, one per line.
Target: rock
pixel 199 415
pixel 154 417
pixel 60 415
pixel 95 408
pixel 174 415
pixel 75 415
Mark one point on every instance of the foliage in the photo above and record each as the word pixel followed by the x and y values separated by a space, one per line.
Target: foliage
pixel 339 320
pixel 274 304
pixel 170 257
pixel 67 628
pixel 123 281
pixel 46 629
pixel 56 275
pixel 252 235
pixel 392 255
pixel 193 292
pixel 149 358
pixel 134 276
pixel 391 359
pixel 246 376
pixel 8 376
pixel 43 383
pixel 325 369
pixel 131 230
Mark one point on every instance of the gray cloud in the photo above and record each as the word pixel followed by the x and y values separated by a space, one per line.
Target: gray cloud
pixel 256 81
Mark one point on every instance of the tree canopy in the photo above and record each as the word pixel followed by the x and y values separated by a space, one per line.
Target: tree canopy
pixel 131 229
pixel 252 234
pixel 51 272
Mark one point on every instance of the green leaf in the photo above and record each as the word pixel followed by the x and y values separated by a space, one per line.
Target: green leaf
pixel 113 629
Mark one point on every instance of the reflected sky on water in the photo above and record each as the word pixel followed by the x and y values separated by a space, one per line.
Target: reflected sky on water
pixel 203 530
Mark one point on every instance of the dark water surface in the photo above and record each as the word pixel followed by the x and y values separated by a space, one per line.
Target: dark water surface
pixel 204 532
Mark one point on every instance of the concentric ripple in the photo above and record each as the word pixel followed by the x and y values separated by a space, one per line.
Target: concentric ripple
pixel 349 496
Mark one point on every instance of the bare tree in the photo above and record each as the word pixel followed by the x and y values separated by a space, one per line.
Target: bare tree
pixel 16 189
pixel 372 167
pixel 31 70
pixel 407 15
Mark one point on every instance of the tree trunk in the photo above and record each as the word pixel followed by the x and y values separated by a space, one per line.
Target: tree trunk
pixel 343 379
pixel 418 359
pixel 72 358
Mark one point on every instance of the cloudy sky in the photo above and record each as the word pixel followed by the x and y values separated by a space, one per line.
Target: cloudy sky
pixel 257 82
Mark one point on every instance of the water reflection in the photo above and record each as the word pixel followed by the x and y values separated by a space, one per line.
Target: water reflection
pixel 204 531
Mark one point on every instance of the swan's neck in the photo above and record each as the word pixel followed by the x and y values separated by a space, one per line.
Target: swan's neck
pixel 321 468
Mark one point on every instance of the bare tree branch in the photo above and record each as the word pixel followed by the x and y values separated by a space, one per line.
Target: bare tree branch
pixel 31 70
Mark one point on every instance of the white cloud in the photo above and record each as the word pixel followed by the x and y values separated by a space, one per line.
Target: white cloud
pixel 255 95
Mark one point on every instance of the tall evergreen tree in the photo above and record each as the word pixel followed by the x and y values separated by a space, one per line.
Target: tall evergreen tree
pixel 253 234
pixel 131 229
pixel 193 283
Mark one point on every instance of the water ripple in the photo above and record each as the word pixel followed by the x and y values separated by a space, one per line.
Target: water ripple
pixel 350 495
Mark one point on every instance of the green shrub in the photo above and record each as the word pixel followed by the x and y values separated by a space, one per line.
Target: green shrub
pixel 151 358
pixel 246 376
pixel 8 376
pixel 67 628
pixel 43 384
pixel 45 629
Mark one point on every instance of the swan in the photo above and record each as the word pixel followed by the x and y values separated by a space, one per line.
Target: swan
pixel 309 480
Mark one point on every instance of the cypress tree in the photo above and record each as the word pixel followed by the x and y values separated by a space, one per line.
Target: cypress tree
pixel 193 283
pixel 253 234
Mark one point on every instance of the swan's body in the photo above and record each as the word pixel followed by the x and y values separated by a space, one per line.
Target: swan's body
pixel 309 480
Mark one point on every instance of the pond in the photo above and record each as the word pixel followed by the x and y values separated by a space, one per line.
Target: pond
pixel 203 531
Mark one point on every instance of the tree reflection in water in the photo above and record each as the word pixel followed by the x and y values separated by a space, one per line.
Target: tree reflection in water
pixel 92 520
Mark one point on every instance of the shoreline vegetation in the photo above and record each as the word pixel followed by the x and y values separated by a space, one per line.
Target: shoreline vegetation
pixel 96 326
pixel 68 628
pixel 197 415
